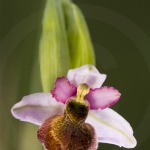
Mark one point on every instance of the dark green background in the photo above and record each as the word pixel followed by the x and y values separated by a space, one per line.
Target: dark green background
pixel 120 31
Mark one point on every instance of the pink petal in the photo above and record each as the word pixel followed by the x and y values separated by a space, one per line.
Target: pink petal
pixel 111 128
pixel 35 108
pixel 102 97
pixel 86 74
pixel 63 90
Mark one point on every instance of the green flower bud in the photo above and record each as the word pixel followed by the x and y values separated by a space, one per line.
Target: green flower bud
pixel 80 45
pixel 53 48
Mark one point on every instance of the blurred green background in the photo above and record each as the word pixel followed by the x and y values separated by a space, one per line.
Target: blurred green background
pixel 120 31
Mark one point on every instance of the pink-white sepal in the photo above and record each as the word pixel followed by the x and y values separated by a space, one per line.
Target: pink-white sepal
pixel 111 128
pixel 35 108
pixel 86 74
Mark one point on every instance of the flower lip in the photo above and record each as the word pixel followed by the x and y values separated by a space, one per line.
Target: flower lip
pixel 76 111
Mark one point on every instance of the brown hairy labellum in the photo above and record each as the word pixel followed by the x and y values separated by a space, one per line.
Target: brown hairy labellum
pixel 69 131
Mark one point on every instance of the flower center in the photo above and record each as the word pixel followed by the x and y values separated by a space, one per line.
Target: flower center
pixel 82 90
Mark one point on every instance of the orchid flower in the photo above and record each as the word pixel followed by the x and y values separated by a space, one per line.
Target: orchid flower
pixel 80 90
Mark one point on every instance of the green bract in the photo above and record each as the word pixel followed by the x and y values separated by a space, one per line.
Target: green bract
pixel 65 41
pixel 54 53
pixel 80 45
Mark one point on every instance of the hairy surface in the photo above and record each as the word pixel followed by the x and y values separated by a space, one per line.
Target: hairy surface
pixel 59 133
